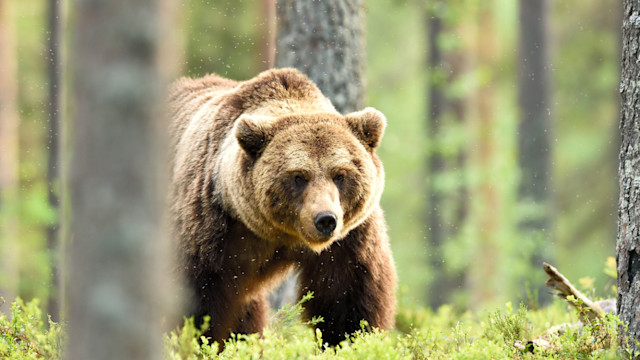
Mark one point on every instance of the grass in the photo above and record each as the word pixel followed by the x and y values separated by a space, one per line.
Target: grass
pixel 420 334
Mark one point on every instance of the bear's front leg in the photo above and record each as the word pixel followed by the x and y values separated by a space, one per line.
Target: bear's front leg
pixel 218 302
pixel 253 317
pixel 353 280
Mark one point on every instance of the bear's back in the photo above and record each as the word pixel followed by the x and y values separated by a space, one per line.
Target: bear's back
pixel 188 96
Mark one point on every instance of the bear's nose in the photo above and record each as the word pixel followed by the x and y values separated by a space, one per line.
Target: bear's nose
pixel 325 222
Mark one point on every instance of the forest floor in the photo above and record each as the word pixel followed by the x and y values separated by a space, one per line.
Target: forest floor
pixel 505 333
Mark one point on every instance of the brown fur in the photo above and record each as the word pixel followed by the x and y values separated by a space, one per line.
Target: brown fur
pixel 255 164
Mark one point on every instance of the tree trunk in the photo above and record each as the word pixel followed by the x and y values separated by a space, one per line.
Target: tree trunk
pixel 325 40
pixel 482 274
pixel 8 157
pixel 628 242
pixel 439 291
pixel 443 67
pixel 53 165
pixel 118 271
pixel 268 38
pixel 534 132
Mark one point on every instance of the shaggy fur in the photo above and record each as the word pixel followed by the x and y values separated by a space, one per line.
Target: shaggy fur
pixel 255 164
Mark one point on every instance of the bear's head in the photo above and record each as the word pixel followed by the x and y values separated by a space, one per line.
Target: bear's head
pixel 308 178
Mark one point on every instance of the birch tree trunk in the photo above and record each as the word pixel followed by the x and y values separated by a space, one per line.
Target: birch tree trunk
pixel 8 157
pixel 628 242
pixel 118 276
pixel 325 40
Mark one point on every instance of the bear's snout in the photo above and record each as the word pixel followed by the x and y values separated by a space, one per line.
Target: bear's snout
pixel 325 223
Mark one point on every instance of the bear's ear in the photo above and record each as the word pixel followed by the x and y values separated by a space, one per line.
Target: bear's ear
pixel 368 126
pixel 253 133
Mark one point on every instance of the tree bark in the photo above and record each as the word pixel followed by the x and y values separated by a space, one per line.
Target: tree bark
pixel 118 270
pixel 325 40
pixel 8 157
pixel 534 156
pixel 628 241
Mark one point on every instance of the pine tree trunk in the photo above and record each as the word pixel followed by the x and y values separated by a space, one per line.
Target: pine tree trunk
pixel 483 275
pixel 118 275
pixel 628 242
pixel 534 156
pixel 8 157
pixel 325 40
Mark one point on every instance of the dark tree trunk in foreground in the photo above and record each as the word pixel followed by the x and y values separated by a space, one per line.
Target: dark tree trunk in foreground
pixel 325 40
pixel 628 242
pixel 53 166
pixel 117 280
pixel 534 156
pixel 8 158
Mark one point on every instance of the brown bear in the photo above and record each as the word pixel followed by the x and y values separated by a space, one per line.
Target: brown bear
pixel 269 177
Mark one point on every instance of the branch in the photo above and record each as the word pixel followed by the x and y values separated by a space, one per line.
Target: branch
pixel 587 309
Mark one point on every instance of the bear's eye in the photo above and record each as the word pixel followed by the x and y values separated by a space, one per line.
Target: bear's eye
pixel 300 180
pixel 338 179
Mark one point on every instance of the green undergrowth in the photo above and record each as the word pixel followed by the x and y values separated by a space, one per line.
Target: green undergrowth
pixel 505 333
pixel 25 335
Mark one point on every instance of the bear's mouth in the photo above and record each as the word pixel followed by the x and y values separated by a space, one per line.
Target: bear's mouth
pixel 318 241
pixel 319 244
pixel 321 239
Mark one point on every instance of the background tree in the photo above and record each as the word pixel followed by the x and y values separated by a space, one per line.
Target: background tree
pixel 8 155
pixel 118 268
pixel 534 131
pixel 436 162
pixel 483 274
pixel 446 207
pixel 53 163
pixel 325 40
pixel 268 34
pixel 628 242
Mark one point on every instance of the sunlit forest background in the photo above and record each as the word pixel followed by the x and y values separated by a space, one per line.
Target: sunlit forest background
pixel 482 255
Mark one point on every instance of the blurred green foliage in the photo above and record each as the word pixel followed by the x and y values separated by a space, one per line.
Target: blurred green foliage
pixel 33 210
pixel 225 37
